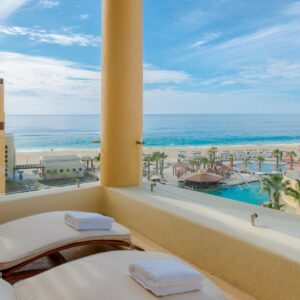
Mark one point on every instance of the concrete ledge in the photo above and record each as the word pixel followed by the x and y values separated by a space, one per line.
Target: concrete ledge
pixel 250 265
pixel 263 262
pixel 85 198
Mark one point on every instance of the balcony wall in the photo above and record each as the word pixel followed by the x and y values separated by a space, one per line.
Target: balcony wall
pixel 265 266
pixel 85 198
pixel 262 263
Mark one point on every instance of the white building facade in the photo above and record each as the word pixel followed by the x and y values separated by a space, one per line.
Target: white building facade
pixel 10 156
pixel 58 167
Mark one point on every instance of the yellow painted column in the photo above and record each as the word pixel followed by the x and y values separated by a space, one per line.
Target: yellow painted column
pixel 2 139
pixel 122 93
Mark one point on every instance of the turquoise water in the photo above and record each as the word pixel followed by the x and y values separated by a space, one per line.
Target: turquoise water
pixel 265 167
pixel 35 132
pixel 249 193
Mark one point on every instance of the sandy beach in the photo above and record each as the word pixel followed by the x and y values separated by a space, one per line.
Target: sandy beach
pixel 33 157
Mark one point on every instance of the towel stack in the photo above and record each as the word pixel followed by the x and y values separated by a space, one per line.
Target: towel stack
pixel 166 277
pixel 88 221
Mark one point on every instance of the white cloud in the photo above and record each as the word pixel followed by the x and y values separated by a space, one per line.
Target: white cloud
pixel 171 101
pixel 83 17
pixel 155 75
pixel 273 70
pixel 49 3
pixel 257 60
pixel 37 84
pixel 41 84
pixel 64 39
pixel 252 38
pixel 273 75
pixel 293 9
pixel 44 85
pixel 207 38
pixel 8 7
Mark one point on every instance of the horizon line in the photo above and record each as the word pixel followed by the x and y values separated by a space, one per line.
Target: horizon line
pixel 162 114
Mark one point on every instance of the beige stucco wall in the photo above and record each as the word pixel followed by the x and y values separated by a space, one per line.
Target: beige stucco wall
pixel 86 198
pixel 248 266
pixel 259 272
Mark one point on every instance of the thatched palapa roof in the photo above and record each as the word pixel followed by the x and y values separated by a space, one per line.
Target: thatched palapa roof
pixel 203 178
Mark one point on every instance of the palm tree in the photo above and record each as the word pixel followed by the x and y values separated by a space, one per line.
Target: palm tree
pixel 274 186
pixel 193 163
pixel 246 161
pixel 204 161
pixel 231 159
pixel 148 159
pixel 212 154
pixel 221 159
pixel 278 155
pixel 156 157
pixel 294 193
pixel 199 162
pixel 291 154
pixel 260 160
pixel 163 156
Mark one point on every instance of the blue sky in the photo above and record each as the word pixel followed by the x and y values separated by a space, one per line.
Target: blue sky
pixel 218 56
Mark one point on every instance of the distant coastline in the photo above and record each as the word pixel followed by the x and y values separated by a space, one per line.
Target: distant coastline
pixel 33 156
pixel 63 132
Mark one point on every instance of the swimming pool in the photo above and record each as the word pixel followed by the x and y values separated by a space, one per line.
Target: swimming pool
pixel 266 167
pixel 249 193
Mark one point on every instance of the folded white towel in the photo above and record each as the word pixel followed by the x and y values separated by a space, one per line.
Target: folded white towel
pixel 88 221
pixel 169 290
pixel 166 277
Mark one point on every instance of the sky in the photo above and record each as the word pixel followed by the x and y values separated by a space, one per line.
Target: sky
pixel 217 56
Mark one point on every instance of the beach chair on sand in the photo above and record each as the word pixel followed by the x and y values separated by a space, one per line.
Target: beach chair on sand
pixel 25 240
pixel 100 276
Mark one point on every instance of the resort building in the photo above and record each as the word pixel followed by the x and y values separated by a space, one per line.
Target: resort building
pixel 2 140
pixel 239 155
pixel 238 258
pixel 7 146
pixel 225 155
pixel 196 154
pixel 10 156
pixel 58 167
pixel 254 154
pixel 267 154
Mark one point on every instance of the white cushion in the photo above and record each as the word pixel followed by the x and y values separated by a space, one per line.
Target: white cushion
pixel 6 291
pixel 101 276
pixel 28 237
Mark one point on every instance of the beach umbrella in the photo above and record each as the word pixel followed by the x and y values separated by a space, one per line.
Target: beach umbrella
pixel 286 158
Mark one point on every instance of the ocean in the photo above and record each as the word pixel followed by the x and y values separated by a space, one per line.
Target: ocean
pixel 44 132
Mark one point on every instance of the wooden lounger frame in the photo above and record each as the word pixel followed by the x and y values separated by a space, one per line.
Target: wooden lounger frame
pixel 14 274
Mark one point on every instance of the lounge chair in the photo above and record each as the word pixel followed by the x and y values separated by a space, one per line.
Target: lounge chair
pixel 25 240
pixel 100 276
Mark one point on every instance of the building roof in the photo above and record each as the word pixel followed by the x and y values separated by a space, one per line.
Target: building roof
pixel 60 158
pixel 204 178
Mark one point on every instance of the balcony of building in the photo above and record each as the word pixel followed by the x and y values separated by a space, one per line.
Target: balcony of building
pixel 213 234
